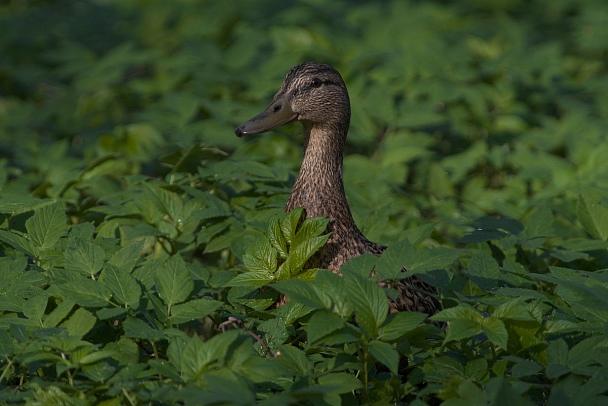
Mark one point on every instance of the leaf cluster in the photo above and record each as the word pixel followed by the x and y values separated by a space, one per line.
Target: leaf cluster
pixel 142 245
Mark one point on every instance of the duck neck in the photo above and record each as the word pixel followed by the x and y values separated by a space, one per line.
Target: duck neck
pixel 319 187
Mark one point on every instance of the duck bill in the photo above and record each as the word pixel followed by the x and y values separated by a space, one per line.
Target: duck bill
pixel 278 113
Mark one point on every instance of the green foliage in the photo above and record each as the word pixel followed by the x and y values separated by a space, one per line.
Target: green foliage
pixel 143 246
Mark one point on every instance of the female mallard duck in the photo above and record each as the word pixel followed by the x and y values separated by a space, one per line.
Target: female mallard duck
pixel 316 95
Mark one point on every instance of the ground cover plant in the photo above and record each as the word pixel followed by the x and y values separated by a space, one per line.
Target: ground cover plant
pixel 142 244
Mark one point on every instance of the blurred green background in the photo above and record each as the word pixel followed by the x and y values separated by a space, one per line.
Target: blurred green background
pixel 459 108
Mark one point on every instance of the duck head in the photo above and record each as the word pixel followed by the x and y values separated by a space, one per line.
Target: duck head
pixel 312 93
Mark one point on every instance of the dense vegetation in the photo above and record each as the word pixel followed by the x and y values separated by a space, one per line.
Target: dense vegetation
pixel 136 229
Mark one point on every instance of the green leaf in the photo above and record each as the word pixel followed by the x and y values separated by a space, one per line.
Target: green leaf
pixel 416 235
pixel 289 224
pixel 96 356
pixel 173 281
pixel 391 262
pixel 483 270
pixel 47 226
pixel 310 228
pixel 294 360
pixel 368 301
pixel 342 382
pixel 399 324
pixel 305 293
pixel 80 323
pixel 86 293
pixel 59 313
pixel 298 257
pixel 428 259
pixel 15 204
pixel 136 328
pixel 385 354
pixel 592 210
pixel 465 322
pixel 251 279
pixel 193 309
pixel 275 237
pixel 496 331
pixel 7 348
pixel 515 309
pixel 322 324
pixel 123 286
pixel 261 258
pixel 461 329
pixel 20 243
pixel 128 256
pixel 35 307
pixel 83 257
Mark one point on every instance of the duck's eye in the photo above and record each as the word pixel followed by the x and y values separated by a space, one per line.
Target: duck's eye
pixel 316 82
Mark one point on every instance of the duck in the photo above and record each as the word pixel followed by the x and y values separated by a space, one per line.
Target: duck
pixel 315 94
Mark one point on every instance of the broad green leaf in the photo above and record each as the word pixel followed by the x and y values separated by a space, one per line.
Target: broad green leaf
pixel 464 322
pixel 275 237
pixel 500 392
pixel 193 309
pixel 297 258
pixel 58 314
pixel 262 258
pixel 173 281
pixel 524 367
pixel 385 354
pixel 557 352
pixel 399 324
pixel 20 243
pixel 111 313
pixel 198 357
pixel 342 382
pixel 293 359
pixel 35 307
pixel 251 279
pixel 310 228
pixel 363 265
pixel 459 312
pixel 416 235
pixel 321 324
pixel 305 293
pixel 15 204
pixel 424 260
pixel 289 224
pixel 128 256
pixel 83 257
pixel 460 329
pixel 80 323
pixel 308 275
pixel 496 331
pixel 47 226
pixel 540 223
pixel 86 293
pixel 123 286
pixel 592 210
pixel 483 270
pixel 368 301
pixel 393 259
pixel 515 309
pixel 96 356
pixel 333 286
pixel 167 202
pixel 136 328
pixel 7 348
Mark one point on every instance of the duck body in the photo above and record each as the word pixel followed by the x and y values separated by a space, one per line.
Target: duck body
pixel 315 95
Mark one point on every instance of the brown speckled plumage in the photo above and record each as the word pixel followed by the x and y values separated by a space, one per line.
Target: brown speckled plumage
pixel 316 95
